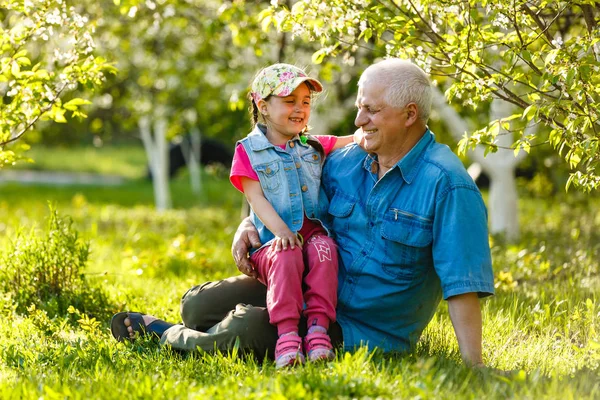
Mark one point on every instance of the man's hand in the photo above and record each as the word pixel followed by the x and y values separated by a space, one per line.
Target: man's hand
pixel 245 238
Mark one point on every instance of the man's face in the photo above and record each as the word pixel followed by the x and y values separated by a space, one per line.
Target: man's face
pixel 382 125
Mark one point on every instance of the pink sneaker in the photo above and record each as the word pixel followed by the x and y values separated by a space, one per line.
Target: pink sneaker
pixel 288 351
pixel 318 347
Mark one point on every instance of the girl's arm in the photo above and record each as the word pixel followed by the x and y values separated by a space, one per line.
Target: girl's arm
pixel 345 140
pixel 342 141
pixel 284 237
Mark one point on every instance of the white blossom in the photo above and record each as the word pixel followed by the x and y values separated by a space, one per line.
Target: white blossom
pixel 169 11
pixel 14 91
pixel 132 12
pixel 501 21
pixel 558 42
pixel 54 18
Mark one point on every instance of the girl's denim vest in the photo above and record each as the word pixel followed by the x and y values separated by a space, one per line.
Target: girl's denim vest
pixel 290 180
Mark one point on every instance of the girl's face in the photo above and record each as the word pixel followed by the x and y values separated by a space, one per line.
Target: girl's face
pixel 286 116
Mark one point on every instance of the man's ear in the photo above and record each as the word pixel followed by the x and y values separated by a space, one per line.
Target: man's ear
pixel 412 114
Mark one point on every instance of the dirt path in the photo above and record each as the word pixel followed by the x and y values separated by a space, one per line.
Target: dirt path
pixel 59 178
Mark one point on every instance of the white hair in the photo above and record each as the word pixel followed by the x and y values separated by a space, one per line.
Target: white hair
pixel 406 83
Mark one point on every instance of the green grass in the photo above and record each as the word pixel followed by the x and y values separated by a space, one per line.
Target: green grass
pixel 543 324
pixel 127 161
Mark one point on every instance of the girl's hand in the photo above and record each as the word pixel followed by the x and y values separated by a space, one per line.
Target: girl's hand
pixel 283 240
pixel 359 137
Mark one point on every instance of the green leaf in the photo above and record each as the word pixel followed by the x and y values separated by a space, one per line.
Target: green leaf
pixel 23 61
pixel 517 149
pixel 21 53
pixel 368 33
pixel 570 75
pixel 73 104
pixel 266 22
pixel 15 69
pixel 530 111
pixel 318 56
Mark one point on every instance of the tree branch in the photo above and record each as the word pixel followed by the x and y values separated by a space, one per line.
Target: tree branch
pixel 32 122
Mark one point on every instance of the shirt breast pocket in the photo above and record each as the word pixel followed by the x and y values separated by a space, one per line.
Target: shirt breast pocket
pixel 269 176
pixel 407 245
pixel 312 161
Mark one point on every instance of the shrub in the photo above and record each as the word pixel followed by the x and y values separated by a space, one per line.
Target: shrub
pixel 47 270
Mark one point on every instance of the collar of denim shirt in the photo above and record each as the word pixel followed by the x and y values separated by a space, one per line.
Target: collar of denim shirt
pixel 408 164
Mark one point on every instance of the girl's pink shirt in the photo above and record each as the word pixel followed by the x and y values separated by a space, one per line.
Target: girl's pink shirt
pixel 241 166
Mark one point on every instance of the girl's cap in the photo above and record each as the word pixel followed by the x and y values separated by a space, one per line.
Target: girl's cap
pixel 280 80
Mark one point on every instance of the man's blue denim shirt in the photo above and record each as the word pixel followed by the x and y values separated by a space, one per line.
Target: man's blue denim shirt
pixel 417 234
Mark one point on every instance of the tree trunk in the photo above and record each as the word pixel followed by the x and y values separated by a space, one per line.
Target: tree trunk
pixel 158 158
pixel 499 166
pixel 191 154
pixel 504 201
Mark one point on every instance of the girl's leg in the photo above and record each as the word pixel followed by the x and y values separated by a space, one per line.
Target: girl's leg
pixel 282 273
pixel 320 282
pixel 320 295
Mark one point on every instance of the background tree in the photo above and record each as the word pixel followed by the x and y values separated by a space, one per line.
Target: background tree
pixel 47 51
pixel 539 57
pixel 184 66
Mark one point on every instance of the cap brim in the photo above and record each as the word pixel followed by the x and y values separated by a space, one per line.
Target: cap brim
pixel 316 85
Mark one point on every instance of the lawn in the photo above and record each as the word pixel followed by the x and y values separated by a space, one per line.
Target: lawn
pixel 543 325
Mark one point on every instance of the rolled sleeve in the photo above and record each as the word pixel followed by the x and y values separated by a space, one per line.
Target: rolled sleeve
pixel 461 251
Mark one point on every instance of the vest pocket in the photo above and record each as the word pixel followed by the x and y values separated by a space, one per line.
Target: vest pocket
pixel 312 161
pixel 407 244
pixel 268 174
pixel 340 207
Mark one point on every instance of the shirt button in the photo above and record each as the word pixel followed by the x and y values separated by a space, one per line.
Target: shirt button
pixel 364 253
pixel 297 165
pixel 304 188
pixel 268 170
pixel 371 224
pixel 315 157
pixel 292 144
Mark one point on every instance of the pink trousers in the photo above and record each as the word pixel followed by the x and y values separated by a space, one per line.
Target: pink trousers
pixel 303 275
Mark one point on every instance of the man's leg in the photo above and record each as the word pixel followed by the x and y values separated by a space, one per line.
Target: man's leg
pixel 206 305
pixel 215 314
pixel 247 323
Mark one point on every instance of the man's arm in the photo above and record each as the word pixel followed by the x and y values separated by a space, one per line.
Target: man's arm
pixel 465 314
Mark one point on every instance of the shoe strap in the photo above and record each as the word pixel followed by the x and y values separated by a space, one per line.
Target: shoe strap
pixel 318 339
pixel 287 344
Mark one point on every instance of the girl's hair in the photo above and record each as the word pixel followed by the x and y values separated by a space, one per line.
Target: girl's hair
pixel 315 144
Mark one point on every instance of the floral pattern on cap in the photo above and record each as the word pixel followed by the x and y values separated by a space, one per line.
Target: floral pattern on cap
pixel 280 80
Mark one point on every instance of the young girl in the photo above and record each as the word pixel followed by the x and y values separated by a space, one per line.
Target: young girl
pixel 278 168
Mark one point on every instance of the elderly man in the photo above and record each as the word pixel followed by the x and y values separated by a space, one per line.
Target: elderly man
pixel 411 229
